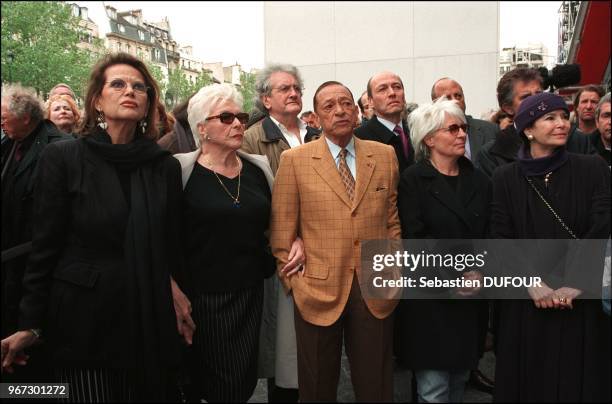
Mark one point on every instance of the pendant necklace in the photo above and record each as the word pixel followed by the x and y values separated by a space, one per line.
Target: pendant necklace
pixel 236 199
pixel 547 179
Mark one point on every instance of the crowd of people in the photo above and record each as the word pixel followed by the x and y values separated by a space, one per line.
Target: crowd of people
pixel 154 256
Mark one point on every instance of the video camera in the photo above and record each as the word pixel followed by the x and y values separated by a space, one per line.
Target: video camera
pixel 560 76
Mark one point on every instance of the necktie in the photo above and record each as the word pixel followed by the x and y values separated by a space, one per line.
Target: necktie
pixel 405 147
pixel 345 174
pixel 18 152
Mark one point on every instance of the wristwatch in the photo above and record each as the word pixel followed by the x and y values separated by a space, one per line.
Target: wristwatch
pixel 36 332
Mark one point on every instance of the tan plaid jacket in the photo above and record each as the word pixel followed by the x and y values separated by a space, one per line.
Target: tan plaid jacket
pixel 309 200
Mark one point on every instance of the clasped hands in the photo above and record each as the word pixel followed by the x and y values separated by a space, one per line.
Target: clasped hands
pixel 296 259
pixel 546 298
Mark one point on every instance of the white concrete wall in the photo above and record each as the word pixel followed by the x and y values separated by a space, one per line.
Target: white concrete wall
pixel 421 41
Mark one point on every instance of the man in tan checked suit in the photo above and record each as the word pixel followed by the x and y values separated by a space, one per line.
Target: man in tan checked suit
pixel 335 192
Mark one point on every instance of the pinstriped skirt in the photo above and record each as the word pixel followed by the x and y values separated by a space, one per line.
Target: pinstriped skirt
pixel 226 344
pixel 96 385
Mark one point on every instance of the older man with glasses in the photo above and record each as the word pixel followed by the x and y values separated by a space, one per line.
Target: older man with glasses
pixel 279 88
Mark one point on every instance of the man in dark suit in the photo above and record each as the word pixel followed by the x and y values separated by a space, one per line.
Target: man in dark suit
pixel 26 135
pixel 386 96
pixel 479 131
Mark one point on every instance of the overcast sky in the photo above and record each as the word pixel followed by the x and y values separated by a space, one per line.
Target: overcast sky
pixel 232 32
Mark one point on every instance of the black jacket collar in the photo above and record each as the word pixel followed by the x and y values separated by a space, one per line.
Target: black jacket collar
pixel 441 190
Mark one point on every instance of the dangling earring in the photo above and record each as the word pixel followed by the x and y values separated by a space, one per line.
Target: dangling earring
pixel 143 126
pixel 101 121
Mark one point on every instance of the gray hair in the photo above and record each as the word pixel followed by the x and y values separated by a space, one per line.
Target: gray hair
pixel 262 83
pixel 427 119
pixel 605 99
pixel 23 101
pixel 62 85
pixel 203 102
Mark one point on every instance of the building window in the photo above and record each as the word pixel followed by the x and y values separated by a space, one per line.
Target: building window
pixel 121 28
pixel 141 35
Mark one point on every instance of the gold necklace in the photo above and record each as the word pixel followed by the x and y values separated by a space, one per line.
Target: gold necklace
pixel 236 198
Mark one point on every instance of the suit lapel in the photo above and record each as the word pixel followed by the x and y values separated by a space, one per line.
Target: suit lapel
pixel 381 131
pixel 365 168
pixel 324 164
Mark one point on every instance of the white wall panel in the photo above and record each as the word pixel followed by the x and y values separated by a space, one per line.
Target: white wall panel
pixel 454 28
pixel 421 41
pixel 368 31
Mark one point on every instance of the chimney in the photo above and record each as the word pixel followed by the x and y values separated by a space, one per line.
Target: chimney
pixel 111 12
pixel 137 16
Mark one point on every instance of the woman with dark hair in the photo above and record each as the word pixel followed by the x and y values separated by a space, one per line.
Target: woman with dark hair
pixel 552 346
pixel 165 121
pixel 179 139
pixel 98 286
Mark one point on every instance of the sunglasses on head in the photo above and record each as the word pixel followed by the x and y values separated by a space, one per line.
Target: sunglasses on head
pixel 454 129
pixel 228 117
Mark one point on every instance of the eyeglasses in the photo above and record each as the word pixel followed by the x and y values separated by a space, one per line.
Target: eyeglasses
pixel 120 85
pixel 228 118
pixel 454 129
pixel 285 89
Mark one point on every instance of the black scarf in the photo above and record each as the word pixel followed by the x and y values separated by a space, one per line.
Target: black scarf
pixel 153 338
pixel 535 167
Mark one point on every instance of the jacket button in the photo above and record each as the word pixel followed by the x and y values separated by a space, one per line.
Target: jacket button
pixel 356 242
pixel 353 214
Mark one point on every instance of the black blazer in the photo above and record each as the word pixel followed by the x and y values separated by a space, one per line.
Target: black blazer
pixel 374 130
pixel 442 334
pixel 76 283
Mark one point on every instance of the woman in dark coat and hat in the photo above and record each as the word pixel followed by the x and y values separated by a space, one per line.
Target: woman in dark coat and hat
pixel 552 346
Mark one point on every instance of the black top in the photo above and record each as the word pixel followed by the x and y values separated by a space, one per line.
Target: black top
pixel 226 249
pixel 452 180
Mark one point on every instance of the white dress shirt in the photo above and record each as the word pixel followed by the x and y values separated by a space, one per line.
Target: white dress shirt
pixel 293 141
